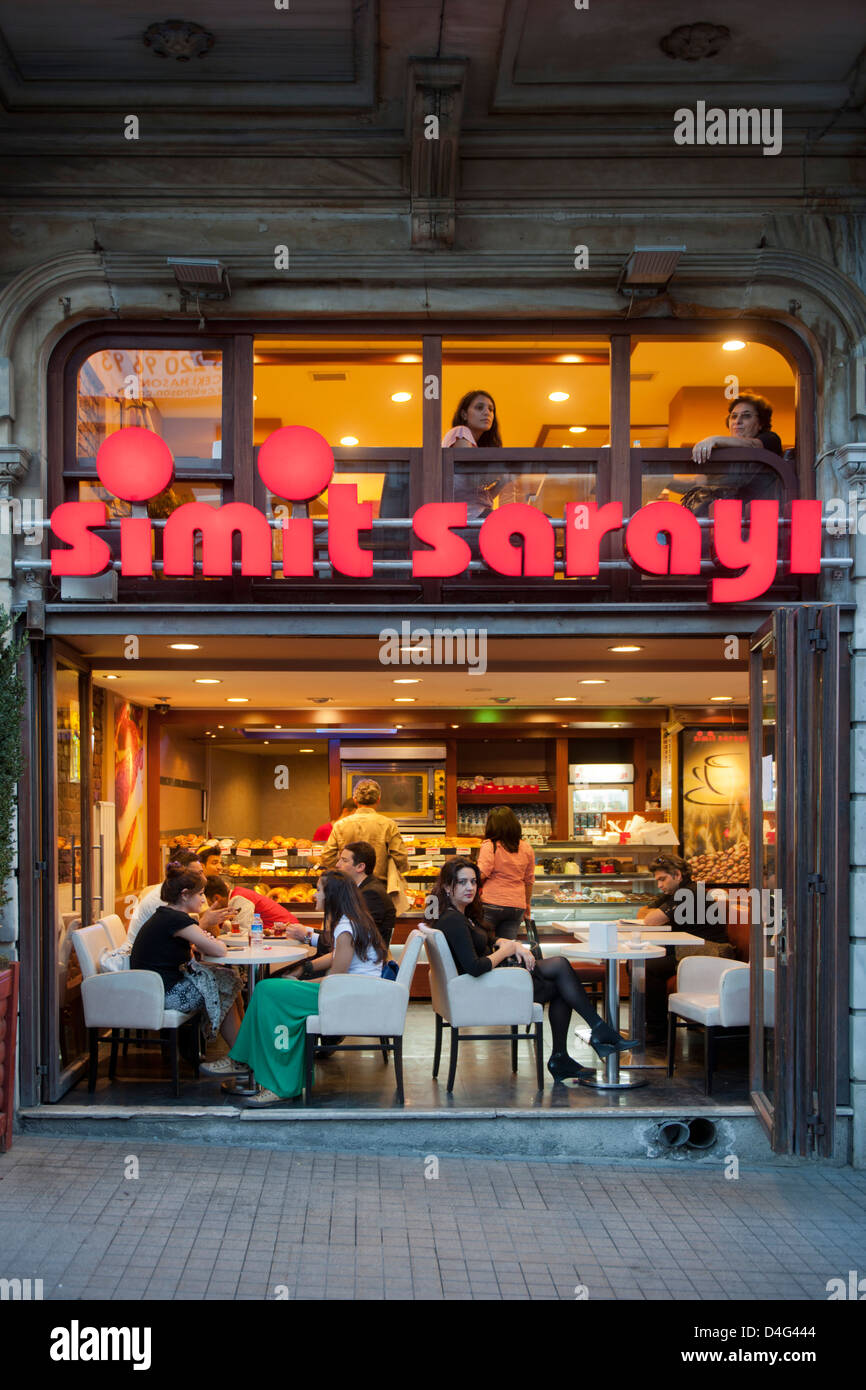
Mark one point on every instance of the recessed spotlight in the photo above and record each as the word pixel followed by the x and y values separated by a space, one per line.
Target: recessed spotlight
pixel 593 682
pixel 733 345
pixel 206 680
pixel 185 646
pixel 404 700
pixel 577 429
pixel 398 726
pixel 266 740
pixel 207 733
pixel 570 358
pixel 400 396
pixel 558 396
pixel 255 398
pixel 278 726
pixel 616 726
pixel 625 649
pixel 111 678
pixel 238 700
pixel 306 750
pixel 565 699
pixel 220 726
pixel 409 357
pixel 455 726
pixel 721 699
pixel 406 680
pixel 348 440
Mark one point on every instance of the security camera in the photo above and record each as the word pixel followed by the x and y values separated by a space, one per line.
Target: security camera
pixel 162 706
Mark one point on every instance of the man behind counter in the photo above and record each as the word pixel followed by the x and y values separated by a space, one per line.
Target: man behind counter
pixel 677 889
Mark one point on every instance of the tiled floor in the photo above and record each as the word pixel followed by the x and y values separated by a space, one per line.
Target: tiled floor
pixel 484 1077
pixel 105 1220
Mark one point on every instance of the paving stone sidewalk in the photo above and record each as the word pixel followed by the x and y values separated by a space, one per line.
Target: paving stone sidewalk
pixel 232 1223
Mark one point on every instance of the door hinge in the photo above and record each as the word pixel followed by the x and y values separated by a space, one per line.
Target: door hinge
pixel 41 866
pixel 41 1070
pixel 815 884
pixel 815 1124
pixel 817 640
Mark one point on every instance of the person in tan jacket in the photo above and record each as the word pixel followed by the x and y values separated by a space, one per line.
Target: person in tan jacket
pixel 366 823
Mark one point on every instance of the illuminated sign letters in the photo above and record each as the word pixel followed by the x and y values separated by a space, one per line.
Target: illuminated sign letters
pixel 297 464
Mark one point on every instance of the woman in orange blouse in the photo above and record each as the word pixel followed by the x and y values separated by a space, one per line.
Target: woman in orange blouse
pixel 506 863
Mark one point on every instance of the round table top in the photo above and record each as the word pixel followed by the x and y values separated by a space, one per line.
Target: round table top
pixel 622 952
pixel 273 952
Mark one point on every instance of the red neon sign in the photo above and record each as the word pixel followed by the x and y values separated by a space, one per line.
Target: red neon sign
pixel 297 463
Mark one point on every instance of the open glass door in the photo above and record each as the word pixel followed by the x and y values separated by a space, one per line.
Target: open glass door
pixel 799 980
pixel 68 900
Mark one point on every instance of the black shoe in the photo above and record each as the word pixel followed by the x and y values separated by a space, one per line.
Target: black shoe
pixel 562 1066
pixel 606 1040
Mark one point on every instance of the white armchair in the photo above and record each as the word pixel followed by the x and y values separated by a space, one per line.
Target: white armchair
pixel 501 997
pixel 713 994
pixel 360 1006
pixel 129 999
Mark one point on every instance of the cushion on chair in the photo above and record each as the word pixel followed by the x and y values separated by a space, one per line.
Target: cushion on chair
pixel 116 928
pixel 134 999
pixel 701 974
pixel 501 997
pixel 360 1006
pixel 699 1008
pixel 89 943
pixel 173 1018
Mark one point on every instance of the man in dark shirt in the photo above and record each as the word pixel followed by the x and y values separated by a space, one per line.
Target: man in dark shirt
pixel 358 859
pixel 680 906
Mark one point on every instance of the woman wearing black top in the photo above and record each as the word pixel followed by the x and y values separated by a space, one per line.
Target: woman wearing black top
pixel 749 421
pixel 164 944
pixel 476 952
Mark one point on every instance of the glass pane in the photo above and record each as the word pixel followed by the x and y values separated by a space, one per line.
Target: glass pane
pixel 484 487
pixel 355 391
pixel 521 376
pixel 174 392
pixel 768 875
pixel 384 483
pixel 69 809
pixel 698 488
pixel 158 507
pixel 682 390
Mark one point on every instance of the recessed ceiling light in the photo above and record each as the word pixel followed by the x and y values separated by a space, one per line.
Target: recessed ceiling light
pixel 625 649
pixel 238 700
pixel 593 682
pixel 558 396
pixel 570 358
pixel 577 429
pixel 721 699
pixel 733 345
pixel 220 726
pixel 306 750
pixel 207 733
pixel 111 678
pixel 565 699
pixel 278 726
pixel 404 700
pixel 455 726
pixel 400 396
pixel 406 680
pixel 255 398
pixel 398 726
pixel 206 680
pixel 348 440
pixel 184 646
pixel 266 740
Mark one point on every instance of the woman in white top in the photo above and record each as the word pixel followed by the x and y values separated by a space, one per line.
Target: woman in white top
pixel 272 1036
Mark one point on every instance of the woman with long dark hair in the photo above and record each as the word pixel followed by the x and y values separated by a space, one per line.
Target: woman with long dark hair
pixel 272 1035
pixel 475 423
pixel 164 944
pixel 506 863
pixel 476 951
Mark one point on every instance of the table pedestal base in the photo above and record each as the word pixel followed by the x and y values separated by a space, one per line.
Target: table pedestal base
pixel 624 1081
pixel 241 1086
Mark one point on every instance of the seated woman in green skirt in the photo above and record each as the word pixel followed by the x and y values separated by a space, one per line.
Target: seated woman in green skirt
pixel 272 1036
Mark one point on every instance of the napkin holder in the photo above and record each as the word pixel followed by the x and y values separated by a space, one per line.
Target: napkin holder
pixel 603 936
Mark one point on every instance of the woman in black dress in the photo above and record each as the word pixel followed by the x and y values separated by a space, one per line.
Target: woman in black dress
pixel 475 951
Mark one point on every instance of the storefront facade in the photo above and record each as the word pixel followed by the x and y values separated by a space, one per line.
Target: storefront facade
pixel 454 289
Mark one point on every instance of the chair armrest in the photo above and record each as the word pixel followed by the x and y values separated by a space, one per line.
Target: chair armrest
pixel 359 1005
pixel 500 996
pixel 734 993
pixel 133 999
